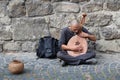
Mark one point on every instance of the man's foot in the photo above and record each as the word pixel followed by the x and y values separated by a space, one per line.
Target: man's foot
pixel 63 63
pixel 91 61
pixel 60 60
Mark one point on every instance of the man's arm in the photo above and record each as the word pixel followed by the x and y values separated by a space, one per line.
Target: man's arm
pixel 87 34
pixel 65 47
pixel 82 22
pixel 91 37
pixel 68 48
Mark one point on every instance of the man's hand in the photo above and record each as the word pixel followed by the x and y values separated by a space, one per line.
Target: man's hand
pixel 82 22
pixel 76 48
pixel 84 14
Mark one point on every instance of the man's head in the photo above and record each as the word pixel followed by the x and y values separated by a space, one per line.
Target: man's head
pixel 75 26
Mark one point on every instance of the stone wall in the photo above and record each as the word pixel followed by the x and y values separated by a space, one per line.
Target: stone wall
pixel 23 22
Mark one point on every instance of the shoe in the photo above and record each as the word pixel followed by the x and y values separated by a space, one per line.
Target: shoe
pixel 60 60
pixel 91 61
pixel 63 63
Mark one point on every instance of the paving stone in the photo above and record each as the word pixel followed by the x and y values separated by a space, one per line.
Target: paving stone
pixel 45 69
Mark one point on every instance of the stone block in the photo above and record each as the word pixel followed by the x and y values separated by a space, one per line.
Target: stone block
pixel 118 42
pixel 29 46
pixel 58 0
pixel 12 46
pixel 117 22
pixel 3 5
pixel 55 32
pixel 113 6
pixel 92 7
pixel 66 7
pixel 79 1
pixel 55 0
pixel 103 1
pixel 61 20
pixel 110 32
pixel 1 46
pixel 5 35
pixel 5 20
pixel 16 8
pixel 98 20
pixel 28 28
pixel 38 8
pixel 103 45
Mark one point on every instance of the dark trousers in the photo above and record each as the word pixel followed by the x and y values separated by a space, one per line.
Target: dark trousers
pixel 63 55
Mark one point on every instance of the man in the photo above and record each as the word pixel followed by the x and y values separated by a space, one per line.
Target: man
pixel 66 35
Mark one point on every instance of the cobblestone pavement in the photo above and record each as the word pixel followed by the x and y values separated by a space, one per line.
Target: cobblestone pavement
pixel 108 68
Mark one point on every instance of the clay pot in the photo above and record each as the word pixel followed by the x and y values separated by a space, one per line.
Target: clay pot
pixel 16 67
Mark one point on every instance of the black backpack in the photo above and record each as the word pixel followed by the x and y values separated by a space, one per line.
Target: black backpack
pixel 48 47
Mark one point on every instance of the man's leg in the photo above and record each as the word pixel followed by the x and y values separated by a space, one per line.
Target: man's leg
pixel 63 55
pixel 87 56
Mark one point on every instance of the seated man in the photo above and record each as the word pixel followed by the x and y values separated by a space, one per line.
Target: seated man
pixel 66 34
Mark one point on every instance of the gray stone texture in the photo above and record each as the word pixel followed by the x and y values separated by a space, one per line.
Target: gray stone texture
pixel 28 29
pixel 12 46
pixel 92 7
pixel 117 22
pixel 24 22
pixel 29 46
pixel 5 20
pixel 3 6
pixel 61 20
pixel 79 1
pixel 5 35
pixel 1 46
pixel 38 8
pixel 66 7
pixel 98 20
pixel 16 8
pixel 106 1
pixel 113 6
pixel 55 32
pixel 110 32
pixel 112 45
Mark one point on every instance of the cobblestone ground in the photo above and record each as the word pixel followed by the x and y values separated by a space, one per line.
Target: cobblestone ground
pixel 108 68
